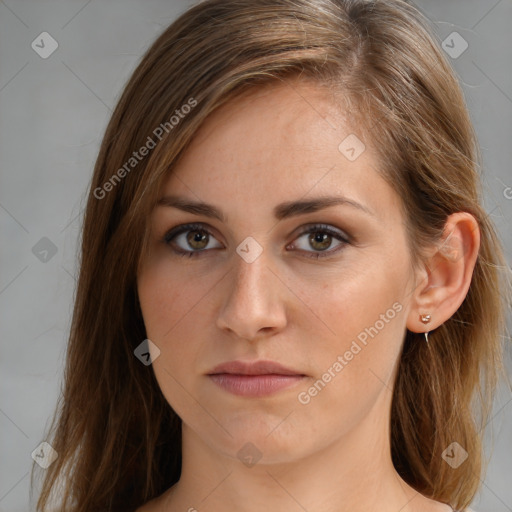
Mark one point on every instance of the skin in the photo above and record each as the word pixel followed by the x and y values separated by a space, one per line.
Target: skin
pixel 272 145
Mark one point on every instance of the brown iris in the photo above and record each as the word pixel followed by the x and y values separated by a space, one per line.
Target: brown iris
pixel 323 239
pixel 197 237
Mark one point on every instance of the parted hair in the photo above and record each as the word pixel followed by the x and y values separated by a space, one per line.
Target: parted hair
pixel 118 440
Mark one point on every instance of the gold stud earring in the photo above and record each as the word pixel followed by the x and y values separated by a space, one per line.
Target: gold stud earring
pixel 426 319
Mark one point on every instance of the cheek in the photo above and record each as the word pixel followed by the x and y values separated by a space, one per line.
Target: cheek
pixel 169 304
pixel 349 302
pixel 167 297
pixel 173 302
pixel 365 321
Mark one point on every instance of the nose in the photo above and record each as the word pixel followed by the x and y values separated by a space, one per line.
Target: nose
pixel 254 304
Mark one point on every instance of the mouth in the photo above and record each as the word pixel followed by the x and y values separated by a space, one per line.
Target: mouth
pixel 254 378
pixel 255 385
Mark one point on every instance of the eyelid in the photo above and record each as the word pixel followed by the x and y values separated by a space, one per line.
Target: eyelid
pixel 183 228
pixel 319 226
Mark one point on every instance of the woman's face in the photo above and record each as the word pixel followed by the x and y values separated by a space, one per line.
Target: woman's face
pixel 324 291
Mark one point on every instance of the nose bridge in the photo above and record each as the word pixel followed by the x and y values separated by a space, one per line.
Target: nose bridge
pixel 248 276
pixel 252 298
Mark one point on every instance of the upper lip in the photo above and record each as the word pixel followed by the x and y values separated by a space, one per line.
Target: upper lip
pixel 253 368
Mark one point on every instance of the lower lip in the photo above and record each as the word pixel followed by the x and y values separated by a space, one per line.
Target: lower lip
pixel 254 385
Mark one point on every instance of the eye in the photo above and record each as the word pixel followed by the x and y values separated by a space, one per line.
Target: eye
pixel 190 236
pixel 191 239
pixel 320 238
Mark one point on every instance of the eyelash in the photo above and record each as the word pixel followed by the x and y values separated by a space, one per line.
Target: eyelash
pixel 316 228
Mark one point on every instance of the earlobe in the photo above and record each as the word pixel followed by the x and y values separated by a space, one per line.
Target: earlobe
pixel 449 273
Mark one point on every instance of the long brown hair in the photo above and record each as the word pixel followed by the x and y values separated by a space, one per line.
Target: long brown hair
pixel 118 440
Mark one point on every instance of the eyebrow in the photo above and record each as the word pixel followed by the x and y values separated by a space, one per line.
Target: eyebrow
pixel 281 211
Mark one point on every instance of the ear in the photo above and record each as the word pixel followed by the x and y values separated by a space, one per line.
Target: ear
pixel 443 282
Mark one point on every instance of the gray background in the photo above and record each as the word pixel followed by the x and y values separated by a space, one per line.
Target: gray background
pixel 53 114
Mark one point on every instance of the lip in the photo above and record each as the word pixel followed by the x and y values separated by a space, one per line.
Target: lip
pixel 254 368
pixel 257 379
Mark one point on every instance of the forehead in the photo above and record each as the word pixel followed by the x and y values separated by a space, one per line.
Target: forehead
pixel 276 143
pixel 280 121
